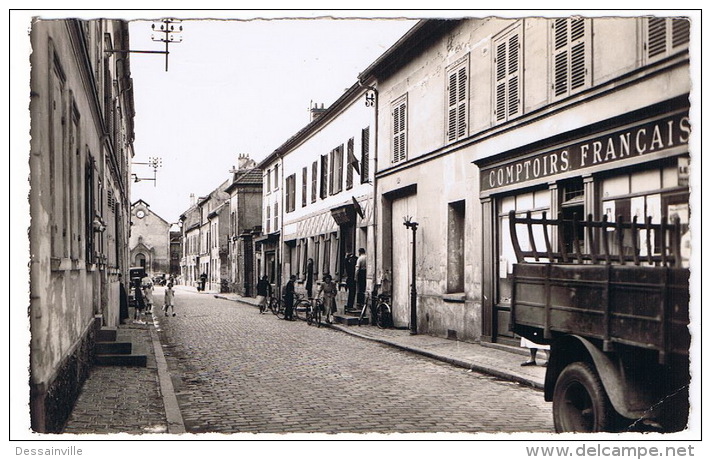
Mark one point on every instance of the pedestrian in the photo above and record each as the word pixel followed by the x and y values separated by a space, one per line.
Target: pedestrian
pixel 533 350
pixel 147 285
pixel 361 264
pixel 168 299
pixel 309 278
pixel 351 285
pixel 289 299
pixel 123 301
pixel 327 292
pixel 264 290
pixel 203 281
pixel 139 301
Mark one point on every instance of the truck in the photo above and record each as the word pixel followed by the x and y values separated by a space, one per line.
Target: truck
pixel 611 299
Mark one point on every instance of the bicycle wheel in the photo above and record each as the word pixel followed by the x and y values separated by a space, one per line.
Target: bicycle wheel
pixel 279 309
pixel 382 316
pixel 300 309
pixel 317 312
pixel 310 315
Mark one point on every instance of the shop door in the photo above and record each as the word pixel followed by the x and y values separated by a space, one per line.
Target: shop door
pixel 402 259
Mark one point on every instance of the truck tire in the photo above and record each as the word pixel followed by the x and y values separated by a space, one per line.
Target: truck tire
pixel 580 403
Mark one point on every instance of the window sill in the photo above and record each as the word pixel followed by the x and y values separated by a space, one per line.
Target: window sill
pixel 455 297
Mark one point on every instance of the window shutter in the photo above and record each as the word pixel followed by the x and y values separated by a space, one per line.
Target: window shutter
pixel 351 164
pixel 500 111
pixel 514 95
pixel 324 176
pixel 365 155
pixel 656 37
pixel 457 103
pixel 461 102
pixel 570 55
pixel 304 185
pixel 399 135
pixel 452 111
pixel 560 57
pixel 507 75
pixel 666 35
pixel 314 180
pixel 330 172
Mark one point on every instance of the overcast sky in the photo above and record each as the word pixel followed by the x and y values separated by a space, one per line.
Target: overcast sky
pixel 237 87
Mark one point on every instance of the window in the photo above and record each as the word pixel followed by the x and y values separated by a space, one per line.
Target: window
pixel 507 75
pixel 455 247
pixel 352 164
pixel 290 193
pixel 268 180
pixel 665 36
pixel 276 177
pixel 336 173
pixel 276 217
pixel 399 114
pixel 314 180
pixel 268 219
pixel 654 194
pixel 324 176
pixel 365 156
pixel 304 185
pixel 571 55
pixel 537 202
pixel 457 100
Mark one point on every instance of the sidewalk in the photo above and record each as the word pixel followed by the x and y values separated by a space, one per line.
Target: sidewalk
pixel 500 361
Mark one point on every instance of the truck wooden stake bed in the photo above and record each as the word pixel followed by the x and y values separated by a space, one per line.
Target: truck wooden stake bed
pixel 613 304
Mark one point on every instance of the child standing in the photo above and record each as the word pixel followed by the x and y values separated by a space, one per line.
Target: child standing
pixel 168 299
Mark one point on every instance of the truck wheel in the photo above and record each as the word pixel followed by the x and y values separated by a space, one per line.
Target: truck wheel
pixel 580 403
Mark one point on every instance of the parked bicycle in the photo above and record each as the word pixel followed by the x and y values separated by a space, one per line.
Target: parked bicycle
pixel 298 309
pixel 380 310
pixel 314 311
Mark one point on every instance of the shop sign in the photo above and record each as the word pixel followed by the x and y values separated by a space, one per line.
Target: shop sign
pixel 618 145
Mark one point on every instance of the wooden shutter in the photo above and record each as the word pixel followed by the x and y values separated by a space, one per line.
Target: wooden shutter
pixel 570 55
pixel 350 158
pixel 324 176
pixel 457 103
pixel 304 185
pixel 507 67
pixel 365 156
pixel 314 180
pixel 665 36
pixel 399 132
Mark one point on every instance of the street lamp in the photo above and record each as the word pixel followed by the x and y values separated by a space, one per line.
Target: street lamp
pixel 413 289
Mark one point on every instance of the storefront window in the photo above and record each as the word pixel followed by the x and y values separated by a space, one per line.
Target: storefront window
pixel 537 202
pixel 625 198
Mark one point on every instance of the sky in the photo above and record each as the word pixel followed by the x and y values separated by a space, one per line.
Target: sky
pixel 237 86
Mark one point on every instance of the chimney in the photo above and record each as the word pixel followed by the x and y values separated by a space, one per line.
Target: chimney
pixel 193 201
pixel 244 162
pixel 315 111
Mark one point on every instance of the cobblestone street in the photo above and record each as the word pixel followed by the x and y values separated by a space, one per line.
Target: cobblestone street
pixel 236 371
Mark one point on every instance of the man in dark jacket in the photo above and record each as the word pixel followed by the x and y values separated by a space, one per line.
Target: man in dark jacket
pixel 289 299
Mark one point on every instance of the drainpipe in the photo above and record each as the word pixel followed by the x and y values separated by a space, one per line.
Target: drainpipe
pixel 375 170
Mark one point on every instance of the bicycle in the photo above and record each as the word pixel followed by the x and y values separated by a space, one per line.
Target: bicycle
pixel 297 309
pixel 383 312
pixel 314 311
pixel 271 303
